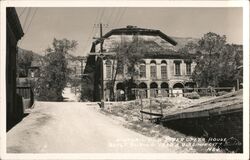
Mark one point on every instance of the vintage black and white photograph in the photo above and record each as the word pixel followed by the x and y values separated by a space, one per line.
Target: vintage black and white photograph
pixel 124 80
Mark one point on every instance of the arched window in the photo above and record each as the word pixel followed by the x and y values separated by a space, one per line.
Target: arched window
pixel 164 69
pixel 143 92
pixel 108 68
pixel 178 85
pixel 164 89
pixel 120 92
pixel 153 72
pixel 153 89
pixel 142 69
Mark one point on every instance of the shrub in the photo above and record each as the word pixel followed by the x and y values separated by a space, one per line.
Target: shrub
pixel 193 95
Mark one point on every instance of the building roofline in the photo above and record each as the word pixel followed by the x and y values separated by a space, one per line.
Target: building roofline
pixel 130 30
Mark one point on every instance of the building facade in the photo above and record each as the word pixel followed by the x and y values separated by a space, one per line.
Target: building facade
pixel 157 76
pixel 162 71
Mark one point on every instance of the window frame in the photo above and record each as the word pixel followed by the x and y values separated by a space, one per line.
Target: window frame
pixel 164 75
pixel 188 69
pixel 177 68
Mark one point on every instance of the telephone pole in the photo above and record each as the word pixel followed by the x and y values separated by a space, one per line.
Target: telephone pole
pixel 101 51
pixel 101 47
pixel 101 26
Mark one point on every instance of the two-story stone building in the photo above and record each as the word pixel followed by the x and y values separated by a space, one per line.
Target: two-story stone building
pixel 160 71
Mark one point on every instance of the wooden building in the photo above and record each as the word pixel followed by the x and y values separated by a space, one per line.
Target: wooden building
pixel 14 34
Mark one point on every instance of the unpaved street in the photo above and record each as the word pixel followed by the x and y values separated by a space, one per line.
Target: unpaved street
pixel 72 127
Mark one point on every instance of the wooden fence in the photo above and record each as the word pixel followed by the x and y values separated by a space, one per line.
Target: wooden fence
pixel 170 92
pixel 154 115
pixel 27 93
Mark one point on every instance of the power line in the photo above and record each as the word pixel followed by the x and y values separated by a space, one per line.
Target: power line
pixel 26 18
pixel 118 14
pixel 32 17
pixel 34 13
pixel 113 18
pixel 22 12
pixel 93 28
pixel 111 15
pixel 103 11
pixel 121 16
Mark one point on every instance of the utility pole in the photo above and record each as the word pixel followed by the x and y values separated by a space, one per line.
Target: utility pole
pixel 100 26
pixel 101 51
pixel 101 45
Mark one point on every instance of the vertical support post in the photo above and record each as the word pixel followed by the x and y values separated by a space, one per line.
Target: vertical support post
pixel 74 83
pixel 161 108
pixel 31 97
pixel 101 50
pixel 150 108
pixel 237 85
pixel 81 66
pixel 141 108
pixel 101 45
pixel 172 94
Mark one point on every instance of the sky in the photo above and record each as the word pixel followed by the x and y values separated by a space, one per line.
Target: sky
pixel 41 25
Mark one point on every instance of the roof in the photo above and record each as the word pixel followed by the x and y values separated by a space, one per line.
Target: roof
pixel 228 103
pixel 131 30
pixel 153 50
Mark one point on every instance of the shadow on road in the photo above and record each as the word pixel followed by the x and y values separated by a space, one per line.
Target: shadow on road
pixel 14 122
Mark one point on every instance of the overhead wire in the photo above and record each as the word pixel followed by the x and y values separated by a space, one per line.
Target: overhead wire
pixel 34 13
pixel 116 13
pixel 103 11
pixel 98 15
pixel 101 17
pixel 27 29
pixel 120 10
pixel 111 15
pixel 21 13
pixel 26 18
pixel 121 16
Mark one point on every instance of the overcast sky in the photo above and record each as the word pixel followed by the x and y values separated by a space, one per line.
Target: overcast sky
pixel 41 25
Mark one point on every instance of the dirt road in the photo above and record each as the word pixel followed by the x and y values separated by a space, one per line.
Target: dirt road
pixel 71 127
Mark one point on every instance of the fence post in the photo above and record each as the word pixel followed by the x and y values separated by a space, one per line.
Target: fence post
pixel 161 108
pixel 31 97
pixel 150 108
pixel 141 108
